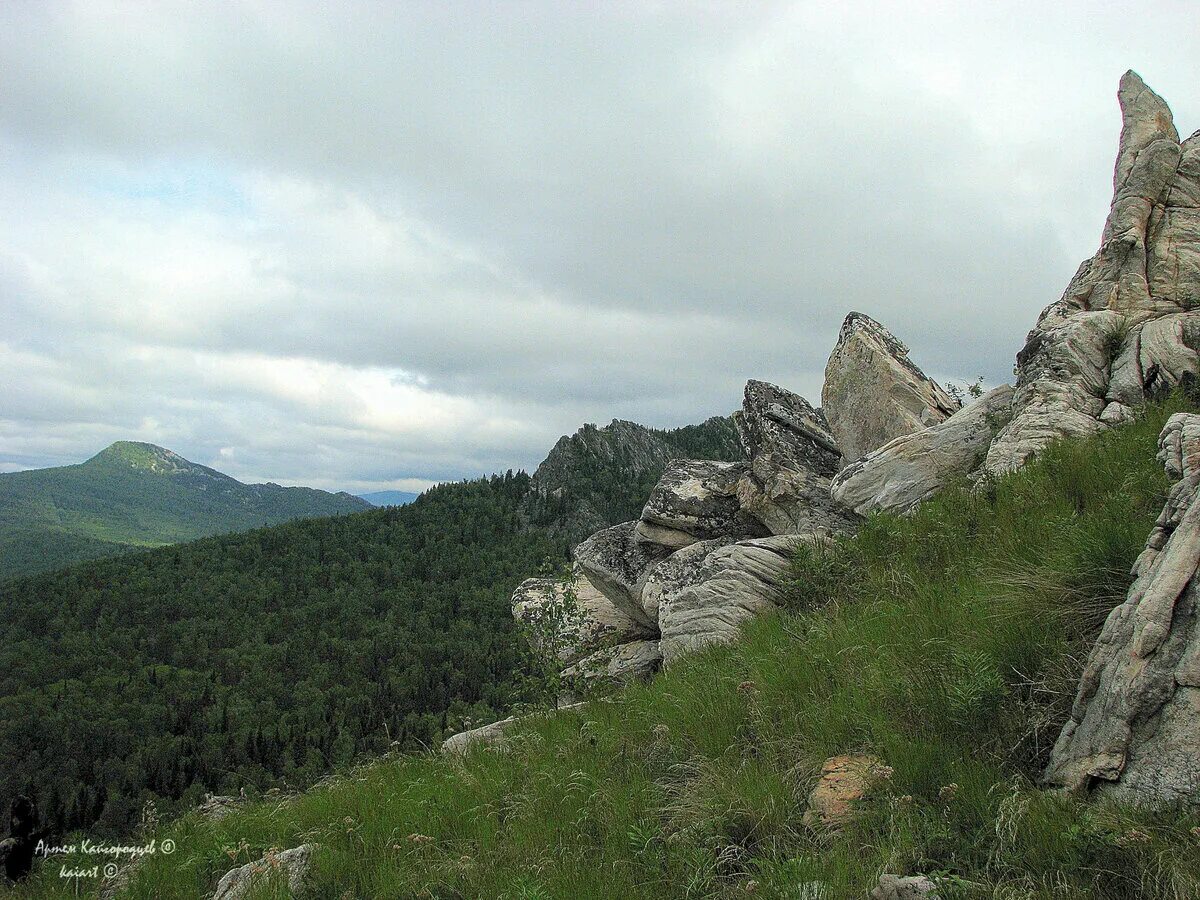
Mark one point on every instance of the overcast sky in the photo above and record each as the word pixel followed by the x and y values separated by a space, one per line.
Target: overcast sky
pixel 373 246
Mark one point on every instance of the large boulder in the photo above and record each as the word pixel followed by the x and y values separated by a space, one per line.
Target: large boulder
pixel 696 500
pixel 1119 331
pixel 617 563
pixel 873 392
pixel 914 467
pixel 1134 731
pixel 287 867
pixel 543 605
pixel 792 459
pixel 716 587
pixel 619 664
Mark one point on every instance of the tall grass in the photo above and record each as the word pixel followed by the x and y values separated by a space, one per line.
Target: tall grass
pixel 947 643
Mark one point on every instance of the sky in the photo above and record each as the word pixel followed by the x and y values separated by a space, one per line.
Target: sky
pixel 373 246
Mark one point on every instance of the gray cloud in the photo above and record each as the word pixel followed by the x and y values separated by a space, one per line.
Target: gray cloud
pixel 366 244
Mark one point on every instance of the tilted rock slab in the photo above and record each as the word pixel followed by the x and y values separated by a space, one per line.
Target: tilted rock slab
pixel 1134 731
pixel 1099 350
pixel 617 564
pixel 792 459
pixel 873 392
pixel 910 469
pixel 598 622
pixel 696 500
pixel 714 587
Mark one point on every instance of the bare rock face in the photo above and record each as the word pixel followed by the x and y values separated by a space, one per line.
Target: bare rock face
pixel 910 469
pixel 1134 730
pixel 290 867
pixel 696 500
pixel 618 664
pixel 873 392
pixel 1122 328
pixel 792 459
pixel 598 621
pixel 618 564
pixel 713 589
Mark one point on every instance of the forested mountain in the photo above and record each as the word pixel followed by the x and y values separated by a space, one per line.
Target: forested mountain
pixel 389 498
pixel 600 476
pixel 275 655
pixel 134 495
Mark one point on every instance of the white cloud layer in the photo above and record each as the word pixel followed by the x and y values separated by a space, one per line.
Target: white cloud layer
pixel 378 245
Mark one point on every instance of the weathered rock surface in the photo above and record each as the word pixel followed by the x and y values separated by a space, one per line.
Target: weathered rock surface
pixel 619 664
pixel 792 458
pixel 696 499
pixel 597 621
pixel 681 569
pixel 1100 349
pixel 715 589
pixel 844 781
pixel 914 467
pixel 1134 730
pixel 873 392
pixel 290 867
pixel 617 564
pixel 912 887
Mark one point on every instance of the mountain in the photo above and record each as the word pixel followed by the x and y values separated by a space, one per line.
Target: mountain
pixel 135 495
pixel 389 498
pixel 601 476
pixel 270 656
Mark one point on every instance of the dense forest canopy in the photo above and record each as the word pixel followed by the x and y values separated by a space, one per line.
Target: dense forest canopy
pixel 273 656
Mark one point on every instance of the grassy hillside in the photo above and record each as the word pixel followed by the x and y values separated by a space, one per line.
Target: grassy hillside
pixel 947 643
pixel 134 495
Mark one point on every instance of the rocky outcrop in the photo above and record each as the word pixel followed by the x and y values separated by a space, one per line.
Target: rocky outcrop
pixel 618 564
pixel 618 664
pixel 289 867
pixel 792 459
pixel 873 392
pixel 1135 726
pixel 715 588
pixel 587 481
pixel 695 500
pixel 1122 328
pixel 914 467
pixel 593 622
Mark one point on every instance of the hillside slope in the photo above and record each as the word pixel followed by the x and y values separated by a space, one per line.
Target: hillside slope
pixel 947 644
pixel 134 495
pixel 270 656
pixel 601 476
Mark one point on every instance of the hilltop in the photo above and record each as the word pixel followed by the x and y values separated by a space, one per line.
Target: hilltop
pixel 135 495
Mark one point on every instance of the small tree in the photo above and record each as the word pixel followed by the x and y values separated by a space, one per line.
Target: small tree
pixel 550 631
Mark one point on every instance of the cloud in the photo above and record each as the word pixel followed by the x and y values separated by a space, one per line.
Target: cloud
pixel 376 244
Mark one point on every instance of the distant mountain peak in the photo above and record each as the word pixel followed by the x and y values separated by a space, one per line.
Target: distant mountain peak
pixel 151 459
